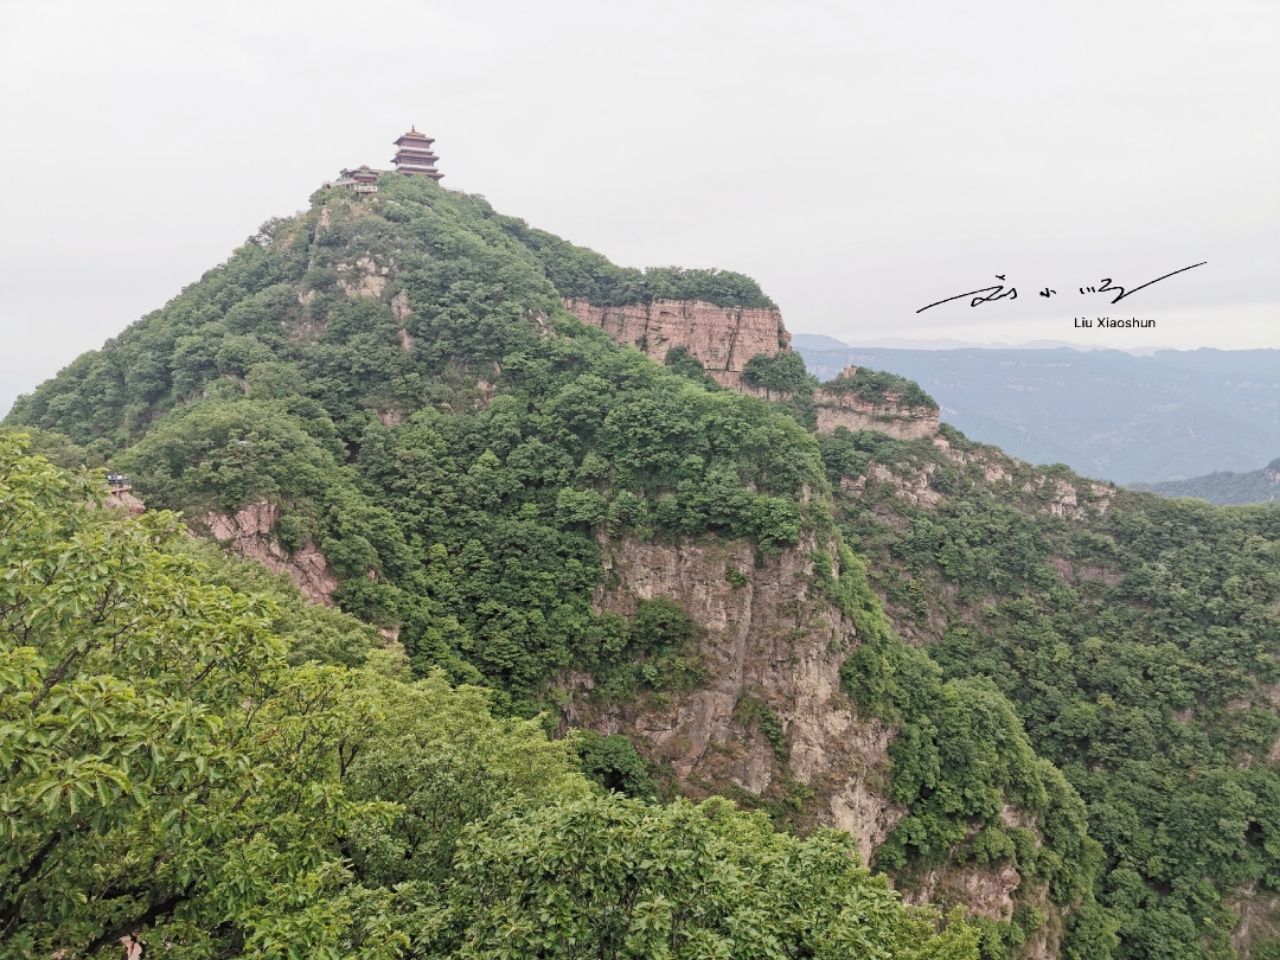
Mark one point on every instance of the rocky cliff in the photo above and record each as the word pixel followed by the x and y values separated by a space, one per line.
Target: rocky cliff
pixel 771 720
pixel 764 636
pixel 722 338
pixel 250 533
pixel 888 416
pixel 848 402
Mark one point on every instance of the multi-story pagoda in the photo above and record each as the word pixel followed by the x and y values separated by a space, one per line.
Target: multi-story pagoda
pixel 414 155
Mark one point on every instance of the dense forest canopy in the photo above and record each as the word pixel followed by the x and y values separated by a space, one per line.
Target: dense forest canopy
pixel 1139 648
pixel 1087 703
pixel 183 762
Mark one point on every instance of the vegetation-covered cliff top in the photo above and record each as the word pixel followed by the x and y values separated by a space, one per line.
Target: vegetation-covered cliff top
pixel 879 387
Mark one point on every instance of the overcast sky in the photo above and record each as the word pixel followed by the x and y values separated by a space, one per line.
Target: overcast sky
pixel 860 159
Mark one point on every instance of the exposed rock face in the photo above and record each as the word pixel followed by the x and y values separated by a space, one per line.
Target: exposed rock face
pixel 912 487
pixel 400 306
pixel 722 338
pixel 853 413
pixel 889 414
pixel 249 533
pixel 985 893
pixel 122 498
pixel 776 640
pixel 773 639
pixel 402 311
pixel 1259 913
pixel 1064 499
pixel 1055 496
pixel 905 421
pixel 725 338
pixel 365 279
pixel 1076 573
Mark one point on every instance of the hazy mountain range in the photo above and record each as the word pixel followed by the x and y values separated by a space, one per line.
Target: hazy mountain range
pixel 1172 415
pixel 1225 486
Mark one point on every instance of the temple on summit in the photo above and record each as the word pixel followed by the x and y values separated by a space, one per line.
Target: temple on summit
pixel 361 179
pixel 414 157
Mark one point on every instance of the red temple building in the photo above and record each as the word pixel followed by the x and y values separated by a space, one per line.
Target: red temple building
pixel 414 155
pixel 362 179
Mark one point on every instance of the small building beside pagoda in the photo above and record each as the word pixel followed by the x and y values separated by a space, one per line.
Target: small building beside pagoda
pixel 414 157
pixel 362 179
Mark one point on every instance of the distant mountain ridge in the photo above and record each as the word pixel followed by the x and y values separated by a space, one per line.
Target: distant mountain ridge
pixel 1169 416
pixel 1225 487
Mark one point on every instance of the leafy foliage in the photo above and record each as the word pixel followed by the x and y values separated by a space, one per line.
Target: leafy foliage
pixel 236 773
pixel 453 462
pixel 622 879
pixel 1137 645
pixel 877 386
pixel 581 273
pixel 169 774
pixel 782 373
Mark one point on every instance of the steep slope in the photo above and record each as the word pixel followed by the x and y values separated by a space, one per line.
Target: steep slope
pixel 387 399
pixel 193 770
pixel 1137 638
pixel 1225 487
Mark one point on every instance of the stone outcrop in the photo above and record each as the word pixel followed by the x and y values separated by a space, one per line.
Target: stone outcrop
pixel 766 634
pixel 983 892
pixel 1062 498
pixel 853 413
pixel 913 487
pixel 1076 573
pixel 1070 499
pixel 888 414
pixel 722 338
pixel 365 279
pixel 402 311
pixel 1259 918
pixel 250 533
pixel 123 498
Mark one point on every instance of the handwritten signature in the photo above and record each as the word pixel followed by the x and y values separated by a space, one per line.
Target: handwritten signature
pixel 1105 285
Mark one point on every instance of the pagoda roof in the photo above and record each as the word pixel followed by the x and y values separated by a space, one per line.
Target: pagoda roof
pixel 413 134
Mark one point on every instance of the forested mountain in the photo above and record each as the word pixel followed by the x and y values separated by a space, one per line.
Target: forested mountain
pixel 1036 698
pixel 225 771
pixel 1172 415
pixel 1225 487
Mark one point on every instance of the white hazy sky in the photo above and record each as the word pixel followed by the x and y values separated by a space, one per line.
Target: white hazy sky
pixel 860 159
